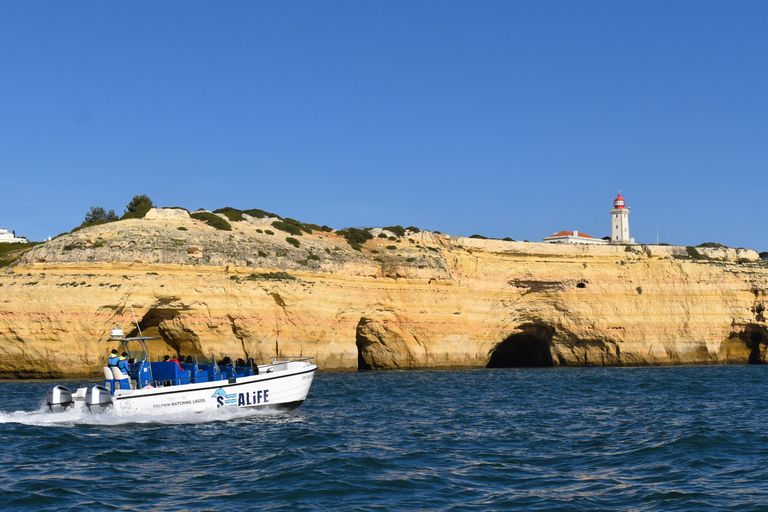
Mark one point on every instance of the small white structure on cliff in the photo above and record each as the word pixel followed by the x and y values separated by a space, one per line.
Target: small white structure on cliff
pixel 573 237
pixel 620 222
pixel 10 238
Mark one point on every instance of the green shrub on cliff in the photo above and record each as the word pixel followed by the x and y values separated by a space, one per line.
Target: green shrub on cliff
pixel 212 220
pixel 271 276
pixel 292 241
pixel 97 214
pixel 396 230
pixel 296 227
pixel 232 214
pixel 138 207
pixel 693 253
pixel 260 214
pixel 355 236
pixel 291 226
pixel 10 252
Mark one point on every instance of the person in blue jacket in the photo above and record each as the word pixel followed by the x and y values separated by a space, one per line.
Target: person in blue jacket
pixel 113 359
pixel 123 364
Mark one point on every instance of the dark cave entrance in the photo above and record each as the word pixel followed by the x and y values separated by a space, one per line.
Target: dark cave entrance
pixel 530 348
pixel 363 342
pixel 754 336
pixel 152 325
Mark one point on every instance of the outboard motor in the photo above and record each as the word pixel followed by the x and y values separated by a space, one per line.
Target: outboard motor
pixel 97 398
pixel 59 398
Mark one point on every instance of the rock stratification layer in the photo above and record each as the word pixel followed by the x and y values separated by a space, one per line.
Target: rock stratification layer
pixel 415 301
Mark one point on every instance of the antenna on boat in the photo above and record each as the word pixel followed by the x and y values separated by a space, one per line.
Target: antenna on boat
pixel 137 322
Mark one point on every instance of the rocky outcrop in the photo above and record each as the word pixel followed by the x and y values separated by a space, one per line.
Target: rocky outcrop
pixel 420 300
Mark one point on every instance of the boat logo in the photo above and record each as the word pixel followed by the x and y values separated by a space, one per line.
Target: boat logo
pixel 222 398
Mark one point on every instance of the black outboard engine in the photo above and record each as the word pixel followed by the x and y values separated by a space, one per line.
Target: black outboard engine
pixel 59 398
pixel 97 398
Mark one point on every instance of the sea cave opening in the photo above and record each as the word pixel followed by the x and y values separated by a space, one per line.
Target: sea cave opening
pixel 363 342
pixel 152 325
pixel 530 348
pixel 754 336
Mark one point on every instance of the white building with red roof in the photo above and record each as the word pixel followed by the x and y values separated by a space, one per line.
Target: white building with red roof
pixel 573 237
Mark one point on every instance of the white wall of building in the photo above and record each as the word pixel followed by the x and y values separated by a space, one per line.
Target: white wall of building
pixel 9 238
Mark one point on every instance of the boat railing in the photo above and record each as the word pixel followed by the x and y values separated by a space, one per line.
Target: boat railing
pixel 163 374
pixel 281 359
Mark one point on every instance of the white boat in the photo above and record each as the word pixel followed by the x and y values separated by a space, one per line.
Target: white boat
pixel 280 384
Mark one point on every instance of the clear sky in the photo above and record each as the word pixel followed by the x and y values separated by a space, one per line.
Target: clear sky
pixel 502 118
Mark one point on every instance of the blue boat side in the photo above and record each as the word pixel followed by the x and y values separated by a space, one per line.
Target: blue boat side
pixel 159 374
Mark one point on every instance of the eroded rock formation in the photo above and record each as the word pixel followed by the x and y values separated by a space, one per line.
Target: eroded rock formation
pixel 422 300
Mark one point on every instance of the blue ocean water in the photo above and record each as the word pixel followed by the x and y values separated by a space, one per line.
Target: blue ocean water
pixel 680 438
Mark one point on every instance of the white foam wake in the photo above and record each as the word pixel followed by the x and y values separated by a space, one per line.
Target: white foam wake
pixel 43 417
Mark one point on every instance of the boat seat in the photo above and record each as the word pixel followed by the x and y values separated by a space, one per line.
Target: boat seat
pixel 167 371
pixel 122 381
pixel 109 379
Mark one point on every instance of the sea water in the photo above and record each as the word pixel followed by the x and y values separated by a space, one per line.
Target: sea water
pixel 680 438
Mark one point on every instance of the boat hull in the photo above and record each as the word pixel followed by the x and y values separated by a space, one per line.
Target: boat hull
pixel 280 391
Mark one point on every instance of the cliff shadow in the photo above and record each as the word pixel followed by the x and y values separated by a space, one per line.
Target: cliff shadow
pixel 161 322
pixel 755 337
pixel 380 346
pixel 530 348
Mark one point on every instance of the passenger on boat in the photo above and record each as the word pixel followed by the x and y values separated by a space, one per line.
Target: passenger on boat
pixel 113 358
pixel 190 359
pixel 167 359
pixel 123 364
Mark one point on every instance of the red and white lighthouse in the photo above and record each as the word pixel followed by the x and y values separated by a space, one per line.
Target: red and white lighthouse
pixel 620 222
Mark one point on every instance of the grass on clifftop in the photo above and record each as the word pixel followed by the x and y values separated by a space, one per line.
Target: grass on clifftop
pixel 231 213
pixel 212 220
pixel 296 227
pixel 356 237
pixel 11 252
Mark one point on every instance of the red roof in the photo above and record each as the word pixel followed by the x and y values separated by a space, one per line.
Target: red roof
pixel 619 202
pixel 570 233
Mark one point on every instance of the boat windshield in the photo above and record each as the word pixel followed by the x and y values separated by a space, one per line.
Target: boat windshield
pixel 136 349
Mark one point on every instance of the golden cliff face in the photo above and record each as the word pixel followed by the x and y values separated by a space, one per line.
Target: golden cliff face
pixel 423 300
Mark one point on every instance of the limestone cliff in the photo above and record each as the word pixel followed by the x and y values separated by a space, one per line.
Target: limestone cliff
pixel 419 300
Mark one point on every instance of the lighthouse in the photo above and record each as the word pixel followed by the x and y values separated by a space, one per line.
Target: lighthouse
pixel 620 222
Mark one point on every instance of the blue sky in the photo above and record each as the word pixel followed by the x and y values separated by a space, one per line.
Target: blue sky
pixel 502 118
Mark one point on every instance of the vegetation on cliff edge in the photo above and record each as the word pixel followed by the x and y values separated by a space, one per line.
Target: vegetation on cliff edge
pixel 212 220
pixel 138 207
pixel 11 252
